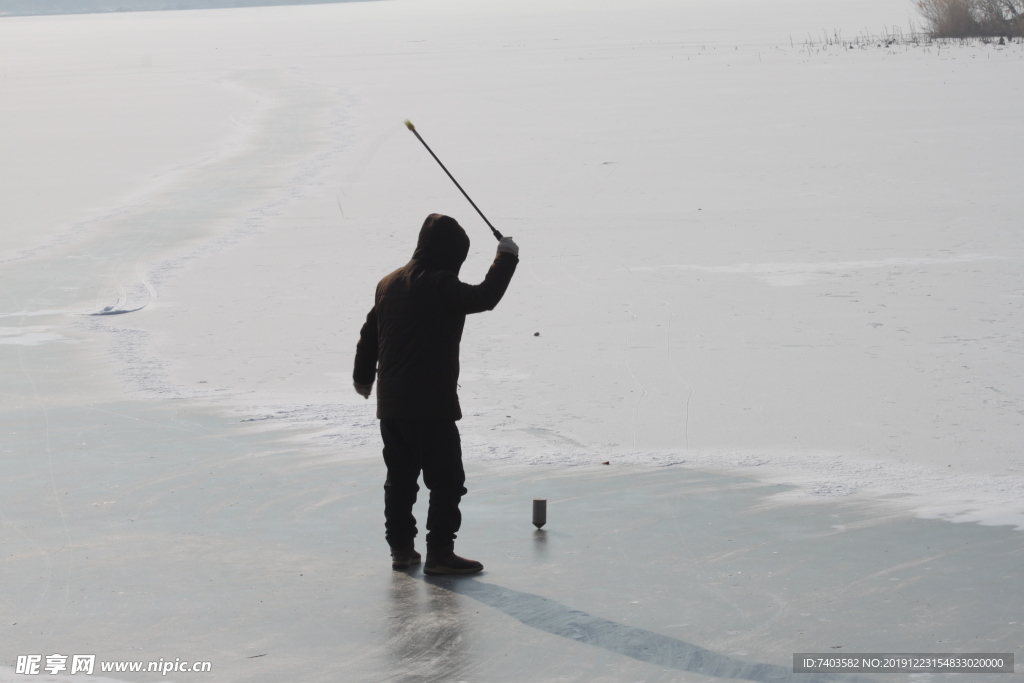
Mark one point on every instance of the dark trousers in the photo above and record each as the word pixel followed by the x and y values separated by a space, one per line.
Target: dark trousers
pixel 433 447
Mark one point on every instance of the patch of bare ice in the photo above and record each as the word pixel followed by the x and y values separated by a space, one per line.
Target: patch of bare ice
pixel 31 336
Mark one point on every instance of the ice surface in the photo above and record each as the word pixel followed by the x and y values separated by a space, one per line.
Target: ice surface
pixel 215 543
pixel 736 248
pixel 790 271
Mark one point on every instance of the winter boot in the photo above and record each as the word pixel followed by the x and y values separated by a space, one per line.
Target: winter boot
pixel 405 557
pixel 447 562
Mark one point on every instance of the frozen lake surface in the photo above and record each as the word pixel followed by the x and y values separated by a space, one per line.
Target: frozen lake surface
pixel 274 564
pixel 775 281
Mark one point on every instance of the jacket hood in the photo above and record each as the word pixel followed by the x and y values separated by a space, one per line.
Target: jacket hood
pixel 442 243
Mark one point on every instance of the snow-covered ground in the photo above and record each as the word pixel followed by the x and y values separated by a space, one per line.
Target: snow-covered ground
pixel 742 248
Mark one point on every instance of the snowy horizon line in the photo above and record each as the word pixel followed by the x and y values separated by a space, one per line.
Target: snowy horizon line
pixel 27 8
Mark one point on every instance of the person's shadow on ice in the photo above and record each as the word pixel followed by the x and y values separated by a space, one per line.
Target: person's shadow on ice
pixel 640 644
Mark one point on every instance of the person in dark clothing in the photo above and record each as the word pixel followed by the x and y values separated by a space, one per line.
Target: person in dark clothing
pixel 410 345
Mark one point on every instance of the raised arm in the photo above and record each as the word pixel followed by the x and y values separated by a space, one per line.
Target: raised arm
pixel 466 298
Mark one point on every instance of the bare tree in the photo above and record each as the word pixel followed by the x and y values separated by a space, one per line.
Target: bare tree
pixel 965 18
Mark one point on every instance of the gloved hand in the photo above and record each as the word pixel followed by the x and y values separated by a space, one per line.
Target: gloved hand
pixel 506 245
pixel 363 389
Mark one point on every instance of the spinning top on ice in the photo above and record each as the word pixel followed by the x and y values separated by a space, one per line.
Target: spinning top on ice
pixel 540 512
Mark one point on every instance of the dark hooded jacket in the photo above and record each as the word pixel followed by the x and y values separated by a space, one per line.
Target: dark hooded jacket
pixel 410 341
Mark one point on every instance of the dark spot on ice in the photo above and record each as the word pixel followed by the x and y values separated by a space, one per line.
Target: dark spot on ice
pixel 110 310
pixel 536 334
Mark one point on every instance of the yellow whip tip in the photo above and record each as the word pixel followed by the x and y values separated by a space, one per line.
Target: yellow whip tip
pixel 408 124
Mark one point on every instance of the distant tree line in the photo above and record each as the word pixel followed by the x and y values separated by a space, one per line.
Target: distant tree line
pixel 973 18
